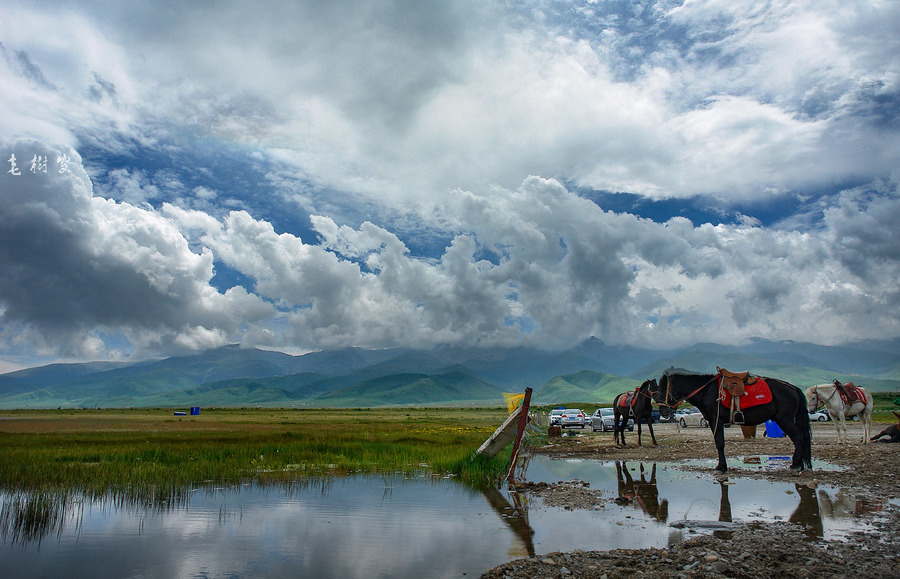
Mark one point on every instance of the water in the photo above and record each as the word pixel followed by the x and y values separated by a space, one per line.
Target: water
pixel 663 495
pixel 393 526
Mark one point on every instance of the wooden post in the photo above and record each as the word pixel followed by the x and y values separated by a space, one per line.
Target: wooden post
pixel 520 431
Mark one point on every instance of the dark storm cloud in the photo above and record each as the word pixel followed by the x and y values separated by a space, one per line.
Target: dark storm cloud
pixel 73 263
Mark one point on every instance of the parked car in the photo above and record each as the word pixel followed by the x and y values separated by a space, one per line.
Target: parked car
pixel 667 415
pixel 819 416
pixel 555 415
pixel 573 417
pixel 604 420
pixel 691 417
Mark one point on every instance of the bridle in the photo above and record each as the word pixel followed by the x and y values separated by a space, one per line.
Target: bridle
pixel 676 403
pixel 818 398
pixel 649 393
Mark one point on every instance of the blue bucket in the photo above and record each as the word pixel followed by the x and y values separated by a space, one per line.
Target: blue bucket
pixel 773 430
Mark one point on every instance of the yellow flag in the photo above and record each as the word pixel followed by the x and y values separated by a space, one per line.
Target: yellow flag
pixel 513 401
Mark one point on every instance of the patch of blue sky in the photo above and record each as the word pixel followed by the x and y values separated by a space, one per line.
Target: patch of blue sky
pixel 241 180
pixel 174 171
pixel 116 342
pixel 525 324
pixel 635 31
pixel 883 109
pixel 565 249
pixel 225 278
pixel 698 210
pixel 773 211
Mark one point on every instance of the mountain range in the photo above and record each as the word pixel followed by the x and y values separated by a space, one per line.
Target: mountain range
pixel 591 373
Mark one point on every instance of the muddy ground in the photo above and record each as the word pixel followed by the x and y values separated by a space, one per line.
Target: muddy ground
pixel 778 549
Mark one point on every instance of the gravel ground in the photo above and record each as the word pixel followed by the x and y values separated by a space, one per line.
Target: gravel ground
pixel 777 549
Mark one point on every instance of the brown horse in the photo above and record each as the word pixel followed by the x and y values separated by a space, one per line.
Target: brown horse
pixel 892 432
pixel 641 408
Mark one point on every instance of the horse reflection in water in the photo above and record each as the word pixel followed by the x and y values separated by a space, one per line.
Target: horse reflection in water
pixel 848 505
pixel 644 492
pixel 806 515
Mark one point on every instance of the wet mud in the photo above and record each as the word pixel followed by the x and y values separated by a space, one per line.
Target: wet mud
pixel 866 476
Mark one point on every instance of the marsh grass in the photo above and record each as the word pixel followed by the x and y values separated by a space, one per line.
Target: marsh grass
pixel 151 456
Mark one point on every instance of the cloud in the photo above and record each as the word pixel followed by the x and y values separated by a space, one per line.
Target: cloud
pixel 403 173
pixel 402 102
pixel 76 265
pixel 537 264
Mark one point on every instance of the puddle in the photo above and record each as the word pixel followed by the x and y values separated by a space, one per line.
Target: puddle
pixel 760 462
pixel 660 504
pixel 394 526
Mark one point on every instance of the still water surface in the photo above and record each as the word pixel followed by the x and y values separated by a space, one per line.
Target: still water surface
pixel 371 527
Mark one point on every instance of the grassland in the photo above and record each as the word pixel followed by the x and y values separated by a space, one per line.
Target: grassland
pixel 151 454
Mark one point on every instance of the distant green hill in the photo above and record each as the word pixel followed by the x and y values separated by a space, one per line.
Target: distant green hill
pixel 585 386
pixel 400 389
pixel 590 373
pixel 227 393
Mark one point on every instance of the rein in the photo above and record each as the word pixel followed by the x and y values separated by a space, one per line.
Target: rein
pixel 824 402
pixel 675 404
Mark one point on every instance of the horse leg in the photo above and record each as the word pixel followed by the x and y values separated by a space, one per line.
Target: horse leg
pixel 867 424
pixel 617 431
pixel 652 436
pixel 718 430
pixel 639 431
pixel 797 437
pixel 838 419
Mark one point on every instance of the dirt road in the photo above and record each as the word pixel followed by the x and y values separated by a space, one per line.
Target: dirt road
pixel 779 549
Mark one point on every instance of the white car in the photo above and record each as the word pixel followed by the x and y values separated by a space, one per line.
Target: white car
pixel 819 416
pixel 555 415
pixel 573 417
pixel 691 417
pixel 604 419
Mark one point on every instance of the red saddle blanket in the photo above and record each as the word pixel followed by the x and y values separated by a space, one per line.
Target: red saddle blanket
pixel 756 393
pixel 850 393
pixel 628 399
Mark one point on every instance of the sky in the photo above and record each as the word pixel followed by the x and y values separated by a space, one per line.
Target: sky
pixel 299 175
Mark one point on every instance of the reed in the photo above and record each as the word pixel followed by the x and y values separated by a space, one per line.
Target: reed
pixel 151 455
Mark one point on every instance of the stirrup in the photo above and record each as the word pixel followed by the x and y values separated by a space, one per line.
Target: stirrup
pixel 738 417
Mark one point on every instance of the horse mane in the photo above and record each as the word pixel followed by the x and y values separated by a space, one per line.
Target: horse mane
pixel 672 371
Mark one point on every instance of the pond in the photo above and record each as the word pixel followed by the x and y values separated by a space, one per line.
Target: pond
pixel 394 526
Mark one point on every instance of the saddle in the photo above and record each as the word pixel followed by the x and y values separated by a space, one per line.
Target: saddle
pixel 627 401
pixel 849 392
pixel 734 383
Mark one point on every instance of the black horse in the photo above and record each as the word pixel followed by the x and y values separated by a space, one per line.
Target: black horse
pixel 644 491
pixel 787 409
pixel 641 409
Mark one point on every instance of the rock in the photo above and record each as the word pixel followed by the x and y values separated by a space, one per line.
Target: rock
pixel 719 566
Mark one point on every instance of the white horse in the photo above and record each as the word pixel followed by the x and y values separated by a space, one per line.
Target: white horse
pixel 827 395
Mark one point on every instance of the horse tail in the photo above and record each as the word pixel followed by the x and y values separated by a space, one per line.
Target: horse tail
pixel 801 421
